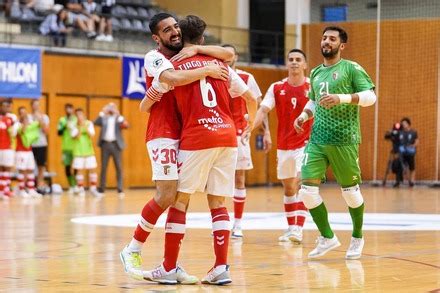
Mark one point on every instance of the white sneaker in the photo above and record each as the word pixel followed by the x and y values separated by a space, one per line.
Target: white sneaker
pixel 174 276
pixel 237 233
pixel 294 235
pixel 23 193
pixel 132 262
pixel 81 191
pixel 109 38
pixel 355 249
pixel 33 193
pixel 71 191
pixel 95 192
pixel 100 38
pixel 76 189
pixel 324 245
pixel 218 276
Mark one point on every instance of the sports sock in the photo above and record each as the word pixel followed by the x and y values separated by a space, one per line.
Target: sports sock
pixel 174 233
pixel 20 179
pixel 30 181
pixel 220 229
pixel 80 180
pixel 357 216
pixel 239 200
pixel 149 215
pixel 289 209
pixel 320 217
pixel 301 213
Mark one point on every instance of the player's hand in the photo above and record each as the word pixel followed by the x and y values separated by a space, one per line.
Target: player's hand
pixel 185 53
pixel 298 124
pixel 328 101
pixel 246 135
pixel 267 142
pixel 217 71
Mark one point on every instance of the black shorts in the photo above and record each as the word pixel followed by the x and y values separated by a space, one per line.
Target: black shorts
pixel 106 11
pixel 410 161
pixel 40 155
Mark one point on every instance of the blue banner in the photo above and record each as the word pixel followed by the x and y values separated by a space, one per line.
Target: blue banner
pixel 133 76
pixel 20 73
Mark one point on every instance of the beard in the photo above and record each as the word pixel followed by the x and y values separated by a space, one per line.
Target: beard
pixel 331 53
pixel 172 47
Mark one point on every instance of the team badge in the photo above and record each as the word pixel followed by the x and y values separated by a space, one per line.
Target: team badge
pixel 282 93
pixel 335 75
pixel 166 169
pixel 158 62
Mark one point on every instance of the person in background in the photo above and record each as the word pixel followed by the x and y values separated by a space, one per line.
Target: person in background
pixel 8 131
pixel 111 143
pixel 39 147
pixel 408 142
pixel 83 153
pixel 67 144
pixel 105 25
pixel 28 132
pixel 54 25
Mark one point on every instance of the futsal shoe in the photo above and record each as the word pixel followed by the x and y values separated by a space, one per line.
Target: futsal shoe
pixel 132 261
pixel 237 233
pixel 324 245
pixel 355 249
pixel 218 276
pixel 35 194
pixel 294 235
pixel 23 193
pixel 172 277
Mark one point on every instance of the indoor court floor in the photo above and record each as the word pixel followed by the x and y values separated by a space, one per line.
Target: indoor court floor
pixel 71 244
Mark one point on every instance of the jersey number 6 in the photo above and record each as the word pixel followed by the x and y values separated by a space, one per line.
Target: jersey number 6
pixel 206 89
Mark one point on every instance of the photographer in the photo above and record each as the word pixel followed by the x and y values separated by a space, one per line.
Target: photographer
pixel 408 142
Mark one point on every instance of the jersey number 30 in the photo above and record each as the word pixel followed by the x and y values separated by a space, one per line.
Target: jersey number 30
pixel 208 92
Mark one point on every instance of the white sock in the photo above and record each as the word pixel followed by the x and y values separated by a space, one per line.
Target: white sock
pixel 135 246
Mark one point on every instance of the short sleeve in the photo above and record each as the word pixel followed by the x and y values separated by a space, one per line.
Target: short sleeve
pixel 237 87
pixel 312 95
pixel 155 63
pixel 361 79
pixel 253 86
pixel 269 98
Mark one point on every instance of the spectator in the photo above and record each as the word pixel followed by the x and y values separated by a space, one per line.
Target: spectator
pixel 39 147
pixel 111 143
pixel 44 7
pixel 67 143
pixel 54 26
pixel 90 10
pixel 28 132
pixel 105 26
pixel 83 153
pixel 408 142
pixel 75 17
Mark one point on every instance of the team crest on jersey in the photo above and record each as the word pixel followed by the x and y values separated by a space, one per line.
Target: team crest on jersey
pixel 166 169
pixel 282 92
pixel 158 62
pixel 335 75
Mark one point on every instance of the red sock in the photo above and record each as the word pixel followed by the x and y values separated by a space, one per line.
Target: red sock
pixel 301 212
pixel 289 209
pixel 30 181
pixel 150 213
pixel 93 180
pixel 80 180
pixel 2 182
pixel 7 183
pixel 20 178
pixel 239 200
pixel 174 233
pixel 220 229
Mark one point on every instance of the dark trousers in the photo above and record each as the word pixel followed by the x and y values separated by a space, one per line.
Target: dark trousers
pixel 111 149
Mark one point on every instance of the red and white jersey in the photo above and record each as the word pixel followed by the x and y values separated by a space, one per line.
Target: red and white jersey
pixel 164 121
pixel 238 106
pixel 6 123
pixel 204 107
pixel 20 147
pixel 289 101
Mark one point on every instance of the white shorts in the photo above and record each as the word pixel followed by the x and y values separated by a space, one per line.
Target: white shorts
pixel 163 158
pixel 7 158
pixel 80 163
pixel 24 161
pixel 289 163
pixel 211 170
pixel 244 159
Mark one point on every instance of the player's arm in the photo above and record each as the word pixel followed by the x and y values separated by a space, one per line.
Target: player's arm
pixel 307 113
pixel 175 78
pixel 151 96
pixel 90 129
pixel 213 51
pixel 251 107
pixel 364 99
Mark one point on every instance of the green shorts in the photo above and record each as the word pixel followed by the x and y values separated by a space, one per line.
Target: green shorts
pixel 344 161
pixel 67 158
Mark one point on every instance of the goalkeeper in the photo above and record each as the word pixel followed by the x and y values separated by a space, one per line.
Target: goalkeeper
pixel 337 88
